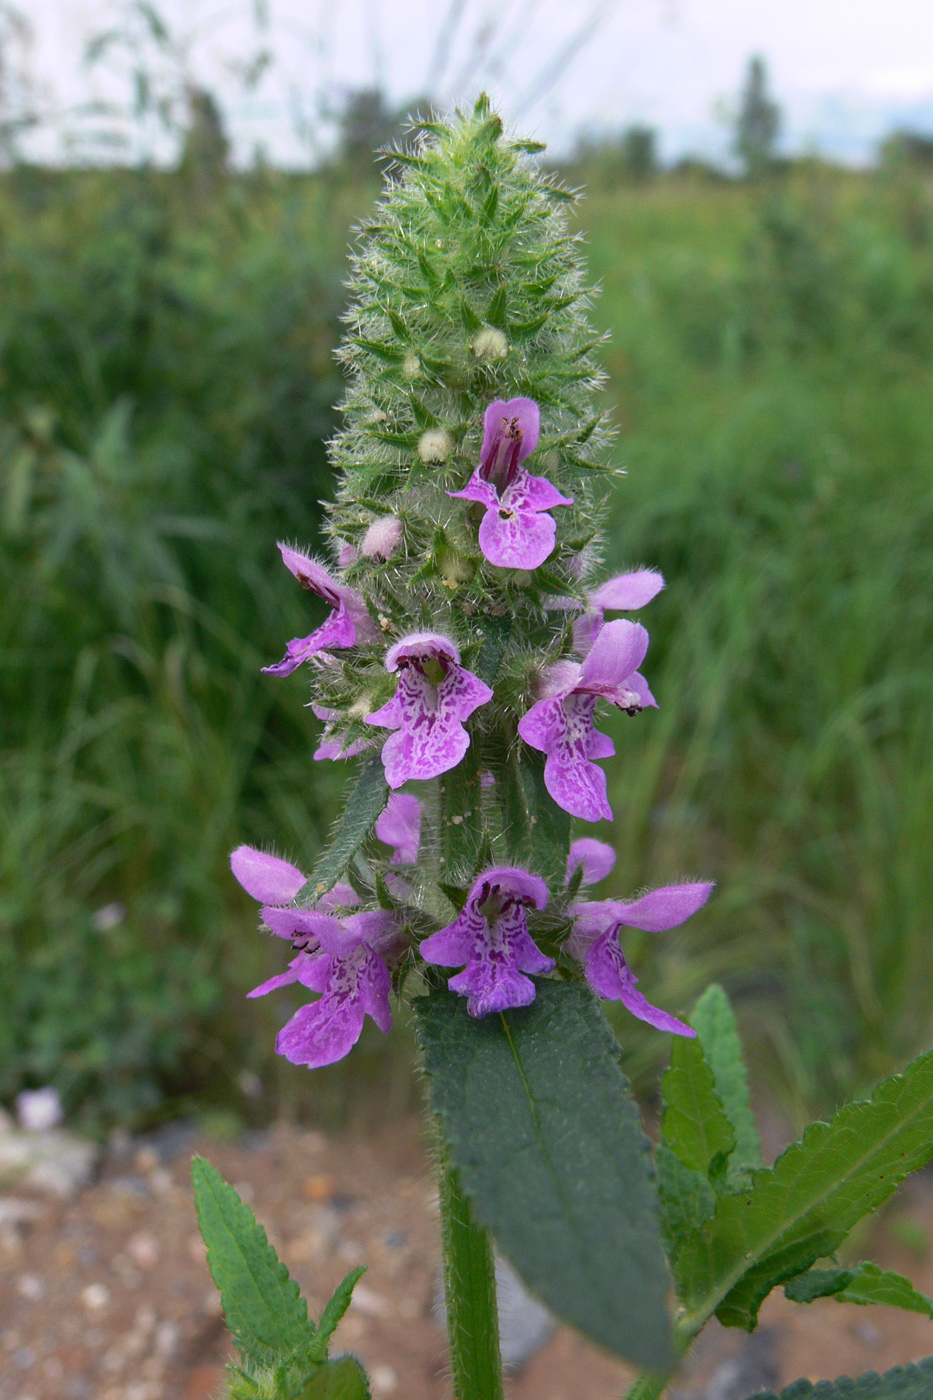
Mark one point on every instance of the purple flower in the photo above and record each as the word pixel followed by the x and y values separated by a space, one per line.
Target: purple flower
pixel 350 972
pixel 275 883
pixel 596 858
pixel 514 533
pixel 595 943
pixel 434 696
pixel 334 739
pixel 400 826
pixel 348 625
pixel 625 593
pixel 561 724
pixel 490 936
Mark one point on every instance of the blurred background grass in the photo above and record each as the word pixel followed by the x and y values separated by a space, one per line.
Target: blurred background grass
pixel 166 387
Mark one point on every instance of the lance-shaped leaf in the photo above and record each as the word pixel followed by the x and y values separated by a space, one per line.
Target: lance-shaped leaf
pixel 687 1201
pixel 800 1210
pixel 537 830
pixel 342 1379
pixel 265 1310
pixel 364 805
pixel 695 1126
pixel 549 1146
pixel 863 1284
pixel 714 1022
pixel 902 1383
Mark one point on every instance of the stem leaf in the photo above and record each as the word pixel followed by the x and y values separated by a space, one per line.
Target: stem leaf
pixel 714 1022
pixel 801 1209
pixel 549 1147
pixel 863 1284
pixel 265 1310
pixel 364 805
pixel 902 1383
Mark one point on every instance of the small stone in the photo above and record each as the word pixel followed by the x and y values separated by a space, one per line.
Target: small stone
pixel 95 1296
pixel 383 1380
pixel 369 1302
pixel 37 1110
pixel 143 1249
pixel 28 1286
pixel 318 1188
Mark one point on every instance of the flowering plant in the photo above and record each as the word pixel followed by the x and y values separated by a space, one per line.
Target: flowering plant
pixel 464 661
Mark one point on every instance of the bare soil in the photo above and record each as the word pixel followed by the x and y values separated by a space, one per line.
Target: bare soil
pixel 107 1296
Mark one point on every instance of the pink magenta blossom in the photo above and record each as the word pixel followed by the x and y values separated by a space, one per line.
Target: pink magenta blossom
pixel 435 695
pixel 490 939
pixel 561 725
pixel 275 883
pixel 516 532
pixel 595 943
pixel 596 857
pixel 624 593
pixel 348 968
pixel 334 739
pixel 349 623
pixel 399 826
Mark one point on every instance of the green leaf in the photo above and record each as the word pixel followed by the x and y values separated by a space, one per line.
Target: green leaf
pixel 695 1126
pixel 460 827
pixel 265 1310
pixel 342 1379
pixel 714 1023
pixel 536 829
pixel 549 1147
pixel 364 805
pixel 801 1209
pixel 902 1383
pixel 496 313
pixel 863 1284
pixel 687 1200
pixel 335 1309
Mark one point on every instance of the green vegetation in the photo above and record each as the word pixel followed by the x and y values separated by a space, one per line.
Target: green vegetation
pixel 166 388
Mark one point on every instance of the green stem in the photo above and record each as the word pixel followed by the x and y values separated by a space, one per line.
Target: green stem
pixel 648 1387
pixel 470 1287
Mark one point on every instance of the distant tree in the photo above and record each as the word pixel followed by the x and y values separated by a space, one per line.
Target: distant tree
pixel 206 150
pixel 906 148
pixel 607 161
pixel 758 121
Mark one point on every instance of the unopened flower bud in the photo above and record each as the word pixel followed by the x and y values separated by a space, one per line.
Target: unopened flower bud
pixel 360 708
pixel 435 445
pixel 489 344
pixel 411 366
pixel 382 538
pixel 347 555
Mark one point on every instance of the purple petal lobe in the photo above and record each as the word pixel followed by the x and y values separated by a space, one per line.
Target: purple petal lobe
pixel 399 826
pixel 284 979
pixel 513 539
pixel 627 592
pixel 611 977
pixel 322 1032
pixel 267 878
pixel 490 936
pixel 434 696
pixel 618 651
pixel 596 857
pixel 295 923
pixel 512 428
pixel 664 908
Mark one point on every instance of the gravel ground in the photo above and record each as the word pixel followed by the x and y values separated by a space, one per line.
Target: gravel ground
pixel 105 1294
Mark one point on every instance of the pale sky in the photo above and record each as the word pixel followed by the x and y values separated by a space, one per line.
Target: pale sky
pixel 844 71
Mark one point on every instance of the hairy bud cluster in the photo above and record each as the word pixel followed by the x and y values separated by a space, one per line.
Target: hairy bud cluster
pixel 466 647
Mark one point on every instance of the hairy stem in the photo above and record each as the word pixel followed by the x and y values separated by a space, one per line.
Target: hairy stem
pixel 470 1289
pixel 648 1387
